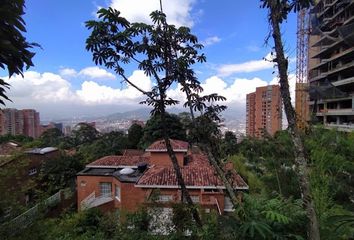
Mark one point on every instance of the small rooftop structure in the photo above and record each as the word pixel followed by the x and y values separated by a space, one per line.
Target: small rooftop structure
pixel 133 152
pixel 160 146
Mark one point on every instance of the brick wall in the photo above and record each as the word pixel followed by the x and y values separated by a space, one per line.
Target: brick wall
pixel 162 158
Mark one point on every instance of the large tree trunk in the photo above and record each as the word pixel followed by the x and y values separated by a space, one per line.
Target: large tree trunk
pixel 229 188
pixel 299 149
pixel 176 167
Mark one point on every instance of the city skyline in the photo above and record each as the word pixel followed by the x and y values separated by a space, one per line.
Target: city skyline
pixel 66 83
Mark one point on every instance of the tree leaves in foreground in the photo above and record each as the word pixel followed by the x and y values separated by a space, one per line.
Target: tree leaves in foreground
pixel 277 13
pixel 15 50
pixel 165 53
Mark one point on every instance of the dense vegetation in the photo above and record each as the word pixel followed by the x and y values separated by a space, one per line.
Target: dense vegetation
pixel 272 209
pixel 276 206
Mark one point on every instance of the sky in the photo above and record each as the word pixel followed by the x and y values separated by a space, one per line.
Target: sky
pixel 66 83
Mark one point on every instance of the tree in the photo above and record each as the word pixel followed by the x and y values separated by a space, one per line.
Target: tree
pixel 277 13
pixel 14 48
pixel 229 144
pixel 84 133
pixel 153 129
pixel 162 51
pixel 51 137
pixel 135 133
pixel 111 143
pixel 58 173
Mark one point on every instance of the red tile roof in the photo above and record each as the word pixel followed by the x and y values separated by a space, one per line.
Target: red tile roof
pixel 133 152
pixel 198 173
pixel 160 146
pixel 115 161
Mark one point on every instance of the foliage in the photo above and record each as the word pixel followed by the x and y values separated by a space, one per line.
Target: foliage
pixel 274 218
pixel 59 173
pixel 331 178
pixel 14 48
pixel 153 129
pixel 22 139
pixel 181 218
pixel 112 143
pixel 271 160
pixel 229 144
pixel 12 187
pixel 84 133
pixel 252 178
pixel 51 137
pixel 135 133
pixel 163 52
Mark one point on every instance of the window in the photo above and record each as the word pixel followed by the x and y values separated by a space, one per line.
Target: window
pixel 117 192
pixel 195 199
pixel 106 189
pixel 165 198
pixel 32 171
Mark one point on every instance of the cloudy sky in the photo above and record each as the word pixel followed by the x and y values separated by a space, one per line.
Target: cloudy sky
pixel 66 83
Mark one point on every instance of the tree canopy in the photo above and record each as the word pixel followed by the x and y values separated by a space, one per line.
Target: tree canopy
pixel 153 129
pixel 15 51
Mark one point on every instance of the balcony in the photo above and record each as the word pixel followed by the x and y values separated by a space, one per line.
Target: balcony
pixel 333 71
pixel 345 127
pixel 93 200
pixel 335 57
pixel 335 112
pixel 343 82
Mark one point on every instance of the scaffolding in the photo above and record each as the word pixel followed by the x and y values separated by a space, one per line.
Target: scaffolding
pixel 301 87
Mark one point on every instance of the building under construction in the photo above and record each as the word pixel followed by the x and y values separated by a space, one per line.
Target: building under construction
pixel 331 64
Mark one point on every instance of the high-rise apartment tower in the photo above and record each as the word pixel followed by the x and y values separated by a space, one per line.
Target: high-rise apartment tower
pixel 263 111
pixel 331 64
pixel 16 122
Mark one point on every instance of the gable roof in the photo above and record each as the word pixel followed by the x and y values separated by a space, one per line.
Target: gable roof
pixel 160 146
pixel 119 161
pixel 133 152
pixel 197 174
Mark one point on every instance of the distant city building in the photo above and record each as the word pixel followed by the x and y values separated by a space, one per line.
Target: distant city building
pixel 67 130
pixel 31 123
pixel 51 125
pixel 263 111
pixel 331 65
pixel 15 122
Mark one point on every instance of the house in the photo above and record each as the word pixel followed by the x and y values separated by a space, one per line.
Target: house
pixel 126 182
pixel 24 166
pixel 19 170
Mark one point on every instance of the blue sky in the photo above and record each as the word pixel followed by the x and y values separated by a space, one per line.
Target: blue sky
pixel 65 81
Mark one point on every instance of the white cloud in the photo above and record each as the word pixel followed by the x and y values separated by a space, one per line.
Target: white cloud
pixel 235 92
pixel 96 73
pixel 93 93
pixel 53 95
pixel 246 67
pixel 178 11
pixel 38 87
pixel 211 40
pixel 68 72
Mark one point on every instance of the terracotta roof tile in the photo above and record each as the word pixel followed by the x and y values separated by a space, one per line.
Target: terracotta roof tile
pixel 133 152
pixel 119 161
pixel 199 173
pixel 160 146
